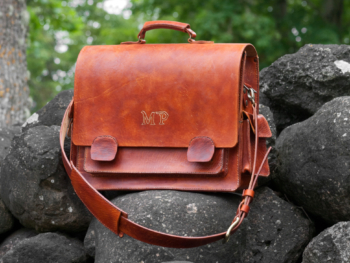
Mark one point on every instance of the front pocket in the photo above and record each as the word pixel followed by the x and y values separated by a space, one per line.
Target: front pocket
pixel 150 161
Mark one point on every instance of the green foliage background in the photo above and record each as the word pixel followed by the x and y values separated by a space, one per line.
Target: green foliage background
pixel 59 29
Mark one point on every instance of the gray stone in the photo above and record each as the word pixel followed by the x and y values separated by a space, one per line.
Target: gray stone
pixel 330 246
pixel 274 231
pixel 35 186
pixel 52 113
pixel 297 85
pixel 314 162
pixel 6 219
pixel 47 248
pixel 15 238
pixel 6 135
pixel 89 240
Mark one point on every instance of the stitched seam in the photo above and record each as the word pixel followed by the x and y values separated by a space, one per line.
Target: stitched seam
pixel 103 136
pixel 238 171
pixel 177 188
pixel 212 143
pixel 166 26
pixel 180 172
pixel 249 148
pixel 227 161
pixel 164 175
pixel 220 166
pixel 240 140
pixel 257 80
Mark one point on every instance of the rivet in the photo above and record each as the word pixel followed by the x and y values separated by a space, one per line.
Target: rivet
pixel 246 103
pixel 244 91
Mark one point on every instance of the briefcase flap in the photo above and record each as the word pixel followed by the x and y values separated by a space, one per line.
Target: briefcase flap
pixel 158 95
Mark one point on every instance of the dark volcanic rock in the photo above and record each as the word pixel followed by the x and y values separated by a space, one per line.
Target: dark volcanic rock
pixel 6 218
pixel 6 135
pixel 35 186
pixel 47 248
pixel 15 238
pixel 89 240
pixel 52 113
pixel 297 85
pixel 274 231
pixel 314 162
pixel 330 246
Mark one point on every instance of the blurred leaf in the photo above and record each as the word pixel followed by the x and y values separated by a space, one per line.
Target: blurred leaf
pixel 58 30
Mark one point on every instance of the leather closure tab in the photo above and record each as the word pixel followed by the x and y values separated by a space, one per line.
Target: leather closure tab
pixel 104 148
pixel 201 149
pixel 264 127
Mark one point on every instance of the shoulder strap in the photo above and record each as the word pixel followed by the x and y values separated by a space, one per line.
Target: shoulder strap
pixel 117 220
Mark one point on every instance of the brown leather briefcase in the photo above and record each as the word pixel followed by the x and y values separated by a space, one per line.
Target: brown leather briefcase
pixel 165 116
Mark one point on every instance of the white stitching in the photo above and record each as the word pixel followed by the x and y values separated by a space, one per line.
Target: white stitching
pixel 220 166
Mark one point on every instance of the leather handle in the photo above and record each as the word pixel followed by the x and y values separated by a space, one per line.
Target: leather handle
pixel 150 25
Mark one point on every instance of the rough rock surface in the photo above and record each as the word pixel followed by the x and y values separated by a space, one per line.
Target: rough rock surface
pixel 6 135
pixel 314 162
pixel 330 246
pixel 297 85
pixel 6 218
pixel 47 248
pixel 90 240
pixel 52 113
pixel 15 238
pixel 35 186
pixel 274 231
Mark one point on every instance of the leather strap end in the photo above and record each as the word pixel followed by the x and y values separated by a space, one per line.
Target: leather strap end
pixel 248 192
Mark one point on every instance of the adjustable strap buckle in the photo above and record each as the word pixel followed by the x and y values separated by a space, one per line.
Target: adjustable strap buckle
pixel 228 232
pixel 251 94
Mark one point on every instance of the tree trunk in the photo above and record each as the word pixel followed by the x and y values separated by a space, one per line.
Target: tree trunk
pixel 14 91
pixel 332 11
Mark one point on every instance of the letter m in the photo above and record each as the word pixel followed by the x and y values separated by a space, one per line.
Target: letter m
pixel 148 120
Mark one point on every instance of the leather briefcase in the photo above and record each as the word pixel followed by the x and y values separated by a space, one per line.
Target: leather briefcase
pixel 165 116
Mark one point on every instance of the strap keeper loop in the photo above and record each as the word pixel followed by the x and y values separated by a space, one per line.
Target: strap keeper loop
pixel 248 192
pixel 245 208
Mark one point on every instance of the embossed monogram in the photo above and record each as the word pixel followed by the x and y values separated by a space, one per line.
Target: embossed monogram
pixel 163 116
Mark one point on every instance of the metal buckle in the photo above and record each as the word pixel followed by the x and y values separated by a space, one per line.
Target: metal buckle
pixel 141 40
pixel 251 96
pixel 228 232
pixel 190 40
